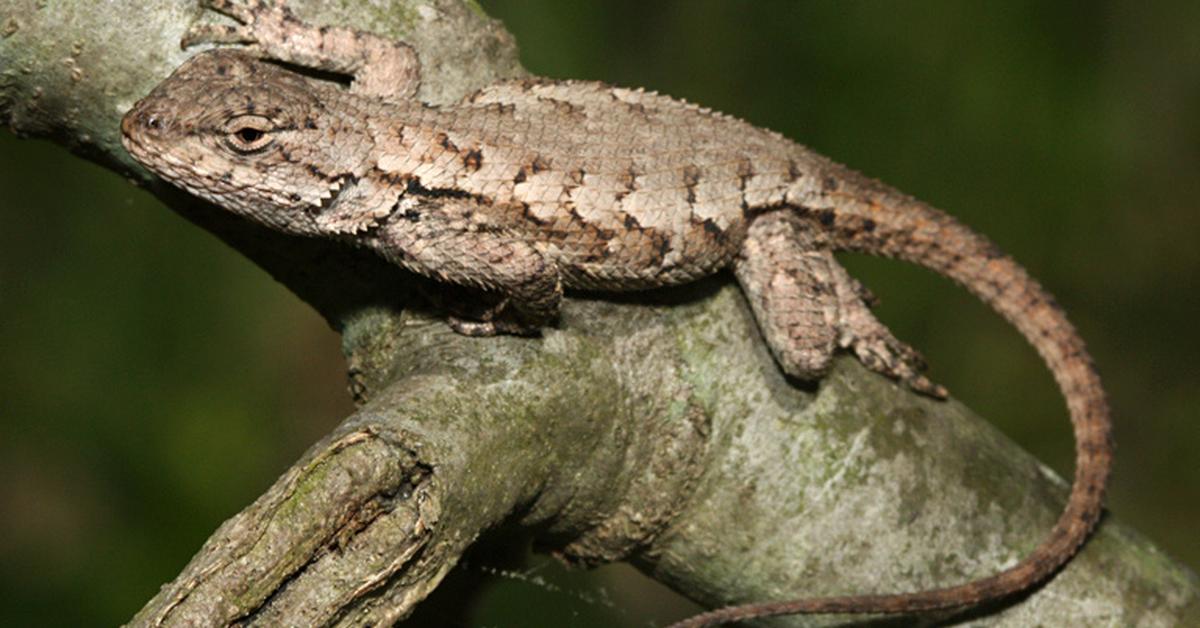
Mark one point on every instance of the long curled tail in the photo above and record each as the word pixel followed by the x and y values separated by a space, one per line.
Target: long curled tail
pixel 865 216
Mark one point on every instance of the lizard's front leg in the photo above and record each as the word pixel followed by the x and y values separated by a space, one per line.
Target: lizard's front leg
pixel 439 240
pixel 807 306
pixel 382 68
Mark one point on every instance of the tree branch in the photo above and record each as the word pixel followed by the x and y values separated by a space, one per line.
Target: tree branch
pixel 653 428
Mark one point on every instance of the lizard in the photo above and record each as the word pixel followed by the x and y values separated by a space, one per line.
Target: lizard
pixel 530 186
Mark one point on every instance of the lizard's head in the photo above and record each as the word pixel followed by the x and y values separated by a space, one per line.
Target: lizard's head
pixel 250 136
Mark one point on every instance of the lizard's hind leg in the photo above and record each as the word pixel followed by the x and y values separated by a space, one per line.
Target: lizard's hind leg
pixel 808 306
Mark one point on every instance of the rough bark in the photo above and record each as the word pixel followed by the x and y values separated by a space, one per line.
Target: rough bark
pixel 652 428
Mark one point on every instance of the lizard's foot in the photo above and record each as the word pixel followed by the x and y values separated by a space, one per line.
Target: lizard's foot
pixel 250 14
pixel 877 349
pixel 807 305
pixel 497 319
pixel 244 10
pixel 381 68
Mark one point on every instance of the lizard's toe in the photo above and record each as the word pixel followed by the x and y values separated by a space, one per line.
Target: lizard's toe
pixel 216 34
pixel 883 353
pixel 864 293
pixel 500 318
pixel 473 328
pixel 240 10
pixel 491 328
pixel 923 385
pixel 251 14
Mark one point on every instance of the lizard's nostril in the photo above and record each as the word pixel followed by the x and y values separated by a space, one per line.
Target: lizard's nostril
pixel 153 122
pixel 148 122
pixel 144 122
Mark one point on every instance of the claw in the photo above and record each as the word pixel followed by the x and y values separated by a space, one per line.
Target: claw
pixel 216 34
pixel 240 10
pixel 864 293
pixel 886 355
pixel 923 385
pixel 245 12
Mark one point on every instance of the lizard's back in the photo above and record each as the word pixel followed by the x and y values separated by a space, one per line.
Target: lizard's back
pixel 624 188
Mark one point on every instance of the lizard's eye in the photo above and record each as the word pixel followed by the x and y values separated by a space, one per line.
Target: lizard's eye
pixel 248 134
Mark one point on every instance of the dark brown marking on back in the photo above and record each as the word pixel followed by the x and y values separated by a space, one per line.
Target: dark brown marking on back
pixel 411 214
pixel 602 233
pixel 473 159
pixel 391 178
pixel 638 108
pixel 712 229
pixel 444 141
pixel 501 108
pixel 526 213
pixel 581 236
pixel 413 185
pixel 629 179
pixel 794 172
pixel 539 164
pixel 745 172
pixel 691 178
pixel 527 84
pixel 992 252
pixel 561 106
pixel 660 244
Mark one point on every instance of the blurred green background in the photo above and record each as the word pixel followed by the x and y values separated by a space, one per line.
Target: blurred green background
pixel 152 382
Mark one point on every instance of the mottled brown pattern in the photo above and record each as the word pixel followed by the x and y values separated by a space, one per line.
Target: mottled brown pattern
pixel 530 186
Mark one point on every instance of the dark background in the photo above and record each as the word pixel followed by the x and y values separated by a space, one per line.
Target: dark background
pixel 153 382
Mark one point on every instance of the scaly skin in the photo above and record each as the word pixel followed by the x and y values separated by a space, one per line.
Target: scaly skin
pixel 528 187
